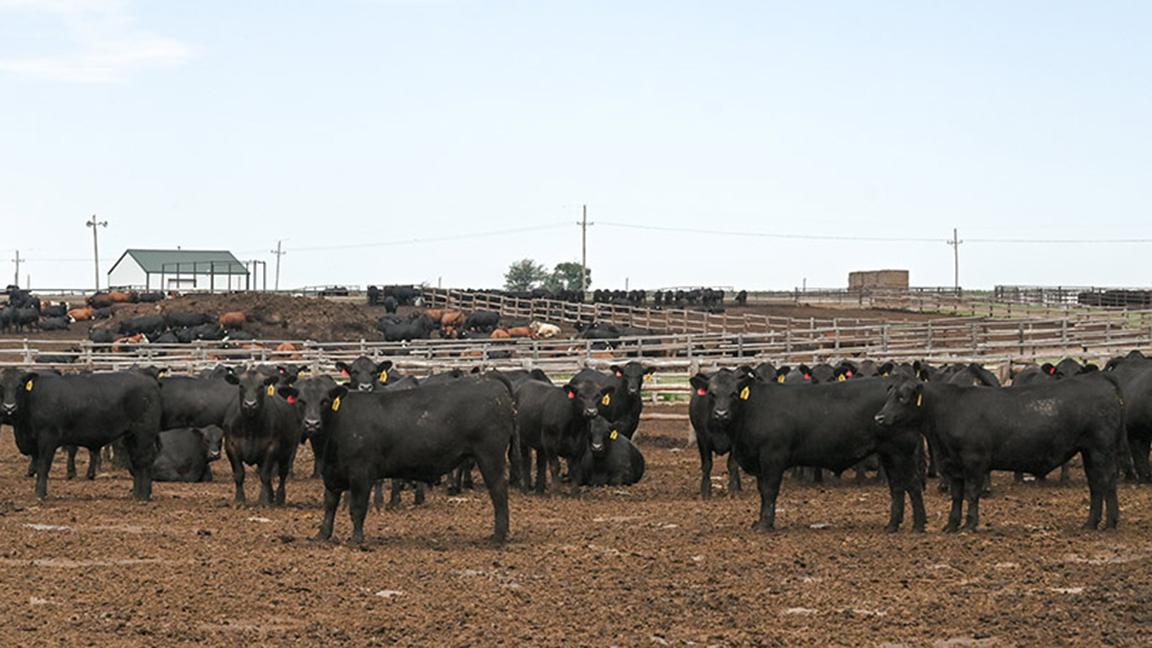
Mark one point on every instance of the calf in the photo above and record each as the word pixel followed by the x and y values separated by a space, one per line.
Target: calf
pixel 186 454
pixel 87 410
pixel 260 429
pixel 626 404
pixel 419 434
pixel 773 427
pixel 1032 428
pixel 711 434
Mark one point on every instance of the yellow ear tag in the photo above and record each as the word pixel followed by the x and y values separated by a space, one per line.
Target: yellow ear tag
pixel 271 390
pixel 336 404
pixel 744 393
pixel 28 387
pixel 840 378
pixel 919 400
pixel 384 376
pixel 780 379
pixel 613 435
pixel 647 377
pixel 606 400
pixel 885 373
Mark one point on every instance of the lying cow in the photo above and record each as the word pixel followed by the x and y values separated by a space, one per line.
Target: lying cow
pixel 186 454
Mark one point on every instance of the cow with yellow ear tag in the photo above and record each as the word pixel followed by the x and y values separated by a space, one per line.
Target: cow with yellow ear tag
pixel 714 399
pixel 624 407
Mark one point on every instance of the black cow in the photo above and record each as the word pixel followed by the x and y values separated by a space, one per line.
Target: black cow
pixel 196 402
pixel 418 328
pixel 483 321
pixel 187 320
pixel 615 462
pixel 1134 373
pixel 711 435
pixel 86 410
pixel 149 325
pixel 624 411
pixel 418 434
pixel 186 454
pixel 262 430
pixel 55 323
pixel 774 427
pixel 1032 428
pixel 390 304
pixel 307 395
pixel 556 422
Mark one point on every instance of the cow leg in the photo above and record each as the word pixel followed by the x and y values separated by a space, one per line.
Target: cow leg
pixel 1102 476
pixel 264 470
pixel 733 475
pixel 932 467
pixel 705 471
pixel 43 465
pixel 358 508
pixel 378 494
pixel 956 486
pixel 768 483
pixel 282 473
pixel 901 474
pixel 421 490
pixel 394 499
pixel 1018 477
pixel 541 469
pixel 93 463
pixel 331 503
pixel 1066 472
pixel 578 470
pixel 317 459
pixel 1140 449
pixel 31 466
pixel 141 455
pixel 237 478
pixel 492 470
pixel 71 470
pixel 973 487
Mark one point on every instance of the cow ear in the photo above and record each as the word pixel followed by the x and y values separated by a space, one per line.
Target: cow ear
pixel 288 392
pixel 649 370
pixel 343 367
pixel 886 368
pixel 746 370
pixel 922 375
pixel 339 391
pixel 744 386
pixel 1089 368
pixel 608 389
pixel 699 381
pixel 272 380
pixel 615 369
pixel 231 378
pixel 384 366
pixel 476 370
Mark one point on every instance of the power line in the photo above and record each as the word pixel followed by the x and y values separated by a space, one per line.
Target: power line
pixel 436 239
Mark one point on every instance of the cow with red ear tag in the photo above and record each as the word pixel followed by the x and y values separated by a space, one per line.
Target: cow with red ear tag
pixel 556 422
pixel 723 386
pixel 260 429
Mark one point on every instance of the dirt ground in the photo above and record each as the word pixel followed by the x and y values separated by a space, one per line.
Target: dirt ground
pixel 650 565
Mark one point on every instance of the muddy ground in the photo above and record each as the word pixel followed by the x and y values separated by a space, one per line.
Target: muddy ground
pixel 651 565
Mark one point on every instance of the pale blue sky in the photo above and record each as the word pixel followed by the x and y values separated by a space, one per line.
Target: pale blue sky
pixel 338 123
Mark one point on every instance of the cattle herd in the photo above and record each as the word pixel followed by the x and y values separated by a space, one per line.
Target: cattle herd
pixel 367 422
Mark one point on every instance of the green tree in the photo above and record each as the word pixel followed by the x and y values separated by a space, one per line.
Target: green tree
pixel 566 276
pixel 524 274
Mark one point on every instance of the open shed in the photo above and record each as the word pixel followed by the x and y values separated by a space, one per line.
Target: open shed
pixel 183 270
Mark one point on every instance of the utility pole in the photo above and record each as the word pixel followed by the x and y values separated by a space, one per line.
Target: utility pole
pixel 955 243
pixel 584 250
pixel 94 224
pixel 17 260
pixel 279 253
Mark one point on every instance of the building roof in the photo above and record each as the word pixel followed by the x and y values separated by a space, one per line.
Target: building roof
pixel 220 262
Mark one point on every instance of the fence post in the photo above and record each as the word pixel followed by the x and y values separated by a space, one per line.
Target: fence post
pixel 740 345
pixel 928 342
pixel 884 338
pixel 1021 331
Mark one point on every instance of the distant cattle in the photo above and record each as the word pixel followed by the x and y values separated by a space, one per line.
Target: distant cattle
pixel 544 331
pixel 233 320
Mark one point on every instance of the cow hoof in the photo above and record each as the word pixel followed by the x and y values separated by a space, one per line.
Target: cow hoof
pixel 891 528
pixel 951 528
pixel 918 528
pixel 763 527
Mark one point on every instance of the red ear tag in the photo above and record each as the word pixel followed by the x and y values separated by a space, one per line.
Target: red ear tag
pixel 619 374
pixel 701 392
pixel 344 372
pixel 849 372
pixel 1052 370
pixel 292 399
pixel 571 394
pixel 807 376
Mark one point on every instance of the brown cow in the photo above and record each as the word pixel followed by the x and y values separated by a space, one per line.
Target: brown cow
pixel 82 314
pixel 521 331
pixel 125 344
pixel 233 320
pixel 452 319
pixel 500 334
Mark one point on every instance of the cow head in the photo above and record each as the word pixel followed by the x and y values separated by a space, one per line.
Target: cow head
pixel 632 377
pixel 724 393
pixel 364 374
pixel 599 430
pixel 211 438
pixel 588 398
pixel 904 405
pixel 312 396
pixel 254 387
pixel 14 387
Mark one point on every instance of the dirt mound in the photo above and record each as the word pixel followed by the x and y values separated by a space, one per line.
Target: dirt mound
pixel 270 316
